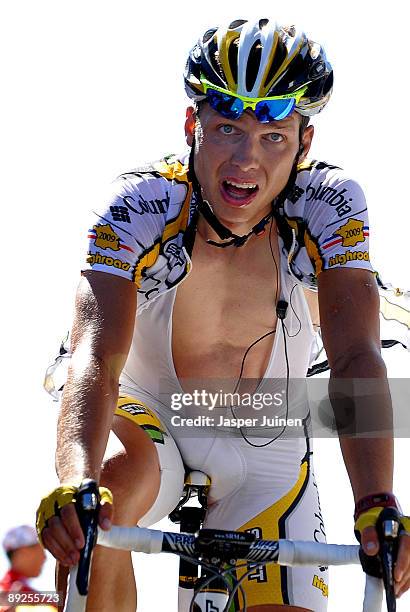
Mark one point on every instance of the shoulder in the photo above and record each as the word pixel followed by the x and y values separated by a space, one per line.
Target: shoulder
pixel 325 194
pixel 328 186
pixel 324 221
pixel 151 189
pixel 147 209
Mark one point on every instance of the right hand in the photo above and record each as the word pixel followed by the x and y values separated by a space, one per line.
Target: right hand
pixel 58 526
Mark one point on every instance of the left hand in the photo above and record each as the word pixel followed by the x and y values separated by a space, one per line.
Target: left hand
pixel 365 526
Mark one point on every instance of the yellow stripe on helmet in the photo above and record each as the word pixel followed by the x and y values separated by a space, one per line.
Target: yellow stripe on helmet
pixel 224 43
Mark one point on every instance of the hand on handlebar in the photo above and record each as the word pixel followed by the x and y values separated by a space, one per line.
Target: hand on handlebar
pixel 378 546
pixel 58 524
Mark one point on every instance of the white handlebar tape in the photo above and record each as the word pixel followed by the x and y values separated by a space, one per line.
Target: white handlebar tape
pixel 74 601
pixel 373 594
pixel 316 553
pixel 290 553
pixel 132 538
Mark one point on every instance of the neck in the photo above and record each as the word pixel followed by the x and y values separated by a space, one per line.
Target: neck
pixel 209 235
pixel 211 229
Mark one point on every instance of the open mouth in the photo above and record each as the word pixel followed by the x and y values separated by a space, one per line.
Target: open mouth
pixel 242 193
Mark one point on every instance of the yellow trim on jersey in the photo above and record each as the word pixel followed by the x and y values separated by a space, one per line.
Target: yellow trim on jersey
pixel 181 222
pixel 176 171
pixel 146 261
pixel 306 164
pixel 179 172
pixel 267 524
pixel 314 253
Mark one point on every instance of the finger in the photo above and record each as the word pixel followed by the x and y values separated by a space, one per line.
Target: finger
pixel 403 559
pixel 401 588
pixel 54 548
pixel 370 541
pixel 58 533
pixel 69 517
pixel 105 515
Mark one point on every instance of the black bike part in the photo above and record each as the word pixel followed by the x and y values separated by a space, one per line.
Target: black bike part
pixel 388 529
pixel 382 565
pixel 371 565
pixel 87 505
pixel 179 543
pixel 205 587
pixel 191 519
pixel 221 545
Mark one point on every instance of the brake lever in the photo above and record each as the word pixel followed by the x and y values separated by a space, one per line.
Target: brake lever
pixel 388 528
pixel 87 505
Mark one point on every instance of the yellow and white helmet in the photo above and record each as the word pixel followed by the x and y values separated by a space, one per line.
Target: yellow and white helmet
pixel 260 59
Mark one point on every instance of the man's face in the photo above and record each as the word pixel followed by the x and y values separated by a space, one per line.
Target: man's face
pixel 243 164
pixel 29 560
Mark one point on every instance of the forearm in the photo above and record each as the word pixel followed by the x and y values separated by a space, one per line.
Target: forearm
pixel 361 401
pixel 369 463
pixel 89 401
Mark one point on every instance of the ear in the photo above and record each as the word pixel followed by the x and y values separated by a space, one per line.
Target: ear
pixel 306 142
pixel 190 125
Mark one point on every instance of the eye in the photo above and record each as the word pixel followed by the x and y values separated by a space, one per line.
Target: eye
pixel 275 137
pixel 226 128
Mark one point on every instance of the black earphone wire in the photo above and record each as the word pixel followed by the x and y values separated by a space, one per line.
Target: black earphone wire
pixel 296 315
pixel 284 331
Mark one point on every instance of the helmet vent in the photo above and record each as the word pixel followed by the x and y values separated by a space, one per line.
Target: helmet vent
pixel 263 23
pixel 233 59
pixel 253 65
pixel 277 61
pixel 214 58
pixel 236 24
pixel 208 35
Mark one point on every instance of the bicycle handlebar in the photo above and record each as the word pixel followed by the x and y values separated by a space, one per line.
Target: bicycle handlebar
pixel 284 552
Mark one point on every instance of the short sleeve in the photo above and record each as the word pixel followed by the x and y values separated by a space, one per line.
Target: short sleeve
pixel 339 223
pixel 127 225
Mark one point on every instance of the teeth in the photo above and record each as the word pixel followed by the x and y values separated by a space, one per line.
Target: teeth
pixel 242 185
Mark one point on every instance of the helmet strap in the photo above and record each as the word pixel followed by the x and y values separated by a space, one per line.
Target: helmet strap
pixel 223 232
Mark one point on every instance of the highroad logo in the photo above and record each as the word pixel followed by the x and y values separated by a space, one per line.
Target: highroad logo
pixel 341 259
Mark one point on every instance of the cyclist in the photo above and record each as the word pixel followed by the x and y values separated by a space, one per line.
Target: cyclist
pixel 260 223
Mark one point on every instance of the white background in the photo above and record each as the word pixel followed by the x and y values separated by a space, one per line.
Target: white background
pixel 89 89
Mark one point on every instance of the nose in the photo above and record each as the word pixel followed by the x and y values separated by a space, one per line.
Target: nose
pixel 245 155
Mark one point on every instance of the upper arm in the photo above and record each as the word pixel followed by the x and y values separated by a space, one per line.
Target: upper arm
pixel 104 319
pixel 349 315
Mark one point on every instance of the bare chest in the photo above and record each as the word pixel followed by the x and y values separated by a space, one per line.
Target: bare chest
pixel 225 305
